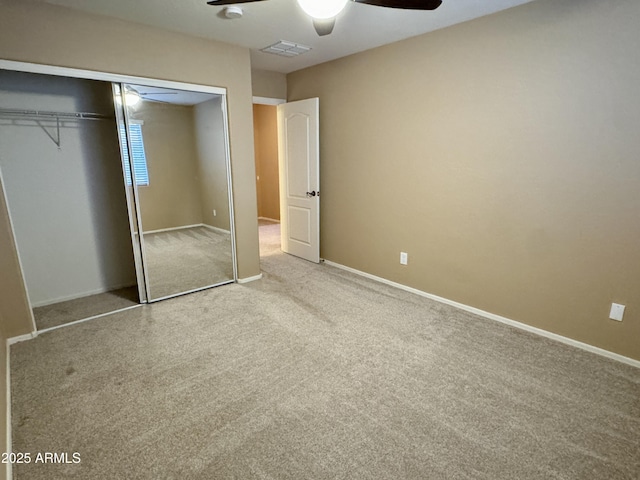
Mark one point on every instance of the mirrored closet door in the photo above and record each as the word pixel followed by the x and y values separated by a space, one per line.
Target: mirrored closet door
pixel 175 144
pixel 63 179
pixel 118 194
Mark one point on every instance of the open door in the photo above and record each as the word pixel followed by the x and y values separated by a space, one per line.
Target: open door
pixel 299 166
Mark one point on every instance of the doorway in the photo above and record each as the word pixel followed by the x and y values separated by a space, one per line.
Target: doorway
pixel 290 134
pixel 265 135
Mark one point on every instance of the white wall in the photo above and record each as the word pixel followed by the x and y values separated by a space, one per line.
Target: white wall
pixel 67 204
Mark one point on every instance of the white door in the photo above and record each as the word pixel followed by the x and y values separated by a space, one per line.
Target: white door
pixel 299 165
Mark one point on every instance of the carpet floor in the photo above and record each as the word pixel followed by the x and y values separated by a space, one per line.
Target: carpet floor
pixel 80 308
pixel 187 259
pixel 178 261
pixel 315 373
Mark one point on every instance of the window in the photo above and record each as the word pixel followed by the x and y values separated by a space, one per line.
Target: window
pixel 139 157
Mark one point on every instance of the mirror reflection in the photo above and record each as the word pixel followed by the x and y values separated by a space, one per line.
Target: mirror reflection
pixel 181 176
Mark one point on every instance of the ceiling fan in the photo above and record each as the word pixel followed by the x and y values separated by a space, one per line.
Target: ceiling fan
pixel 135 95
pixel 323 12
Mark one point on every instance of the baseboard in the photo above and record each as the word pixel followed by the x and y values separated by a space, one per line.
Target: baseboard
pixel 216 229
pixel 9 440
pixel 269 219
pixel 82 294
pixel 493 316
pixel 184 227
pixel 250 279
pixel 21 338
pixel 93 317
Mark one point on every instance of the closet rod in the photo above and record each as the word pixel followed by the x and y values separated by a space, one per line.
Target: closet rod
pixel 59 115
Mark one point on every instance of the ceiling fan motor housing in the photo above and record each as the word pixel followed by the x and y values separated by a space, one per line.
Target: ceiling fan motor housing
pixel 233 11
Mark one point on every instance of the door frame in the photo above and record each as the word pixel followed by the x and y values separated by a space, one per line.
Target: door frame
pixel 105 76
pixel 274 102
pixel 37 68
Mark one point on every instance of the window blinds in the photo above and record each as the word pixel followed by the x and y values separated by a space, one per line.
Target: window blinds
pixel 139 157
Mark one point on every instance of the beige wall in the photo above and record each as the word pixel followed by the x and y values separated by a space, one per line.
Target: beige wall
pixel 269 84
pixel 212 163
pixel 172 198
pixel 265 131
pixel 15 314
pixel 14 306
pixel 40 33
pixel 502 154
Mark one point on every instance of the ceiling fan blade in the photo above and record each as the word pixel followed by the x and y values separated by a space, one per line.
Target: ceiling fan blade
pixel 324 26
pixel 155 100
pixel 230 2
pixel 405 4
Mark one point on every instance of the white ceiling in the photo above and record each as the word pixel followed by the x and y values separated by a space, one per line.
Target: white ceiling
pixel 359 27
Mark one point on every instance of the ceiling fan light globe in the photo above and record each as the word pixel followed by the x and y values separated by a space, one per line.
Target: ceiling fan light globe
pixel 132 98
pixel 322 9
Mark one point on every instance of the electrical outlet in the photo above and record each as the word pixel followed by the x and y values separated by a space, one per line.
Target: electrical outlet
pixel 214 212
pixel 404 258
pixel 617 312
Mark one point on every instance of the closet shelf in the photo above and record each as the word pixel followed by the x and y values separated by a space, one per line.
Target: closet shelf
pixel 36 115
pixel 61 115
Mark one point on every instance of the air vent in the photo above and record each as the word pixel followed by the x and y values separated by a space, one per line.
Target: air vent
pixel 286 49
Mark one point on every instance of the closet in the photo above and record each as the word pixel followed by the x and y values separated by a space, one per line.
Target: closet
pixel 97 229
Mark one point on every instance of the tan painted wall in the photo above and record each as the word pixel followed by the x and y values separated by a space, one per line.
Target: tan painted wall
pixel 40 33
pixel 212 163
pixel 502 154
pixel 15 314
pixel 265 131
pixel 269 84
pixel 172 197
pixel 14 306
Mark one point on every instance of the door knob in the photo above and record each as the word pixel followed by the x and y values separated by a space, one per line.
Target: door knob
pixel 311 194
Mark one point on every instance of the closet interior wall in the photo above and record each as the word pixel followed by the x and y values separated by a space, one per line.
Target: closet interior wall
pixel 64 185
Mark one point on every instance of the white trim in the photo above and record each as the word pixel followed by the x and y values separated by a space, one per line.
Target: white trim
pixel 105 76
pixel 493 316
pixel 269 219
pixel 77 295
pixel 268 101
pixel 250 279
pixel 230 187
pixel 184 227
pixel 75 322
pixel 216 229
pixel 9 440
pixel 199 289
pixel 22 338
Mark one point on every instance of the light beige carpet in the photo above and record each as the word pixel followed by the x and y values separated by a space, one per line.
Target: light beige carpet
pixel 187 259
pixel 178 261
pixel 65 312
pixel 314 373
